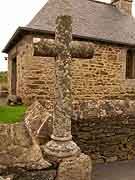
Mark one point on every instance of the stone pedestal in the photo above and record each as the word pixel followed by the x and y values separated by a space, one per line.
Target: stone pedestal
pixel 75 168
pixel 61 149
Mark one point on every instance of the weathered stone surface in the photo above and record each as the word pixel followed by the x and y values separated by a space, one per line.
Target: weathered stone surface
pixel 33 117
pixel 75 168
pixel 39 122
pixel 44 175
pixel 45 131
pixel 62 109
pixel 22 174
pixel 48 48
pixel 18 149
pixel 61 145
pixel 105 129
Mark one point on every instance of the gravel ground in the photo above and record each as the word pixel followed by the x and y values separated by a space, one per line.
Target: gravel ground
pixel 124 170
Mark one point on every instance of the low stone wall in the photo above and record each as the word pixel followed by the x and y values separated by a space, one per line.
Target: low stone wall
pixel 105 130
pixel 20 155
pixel 19 149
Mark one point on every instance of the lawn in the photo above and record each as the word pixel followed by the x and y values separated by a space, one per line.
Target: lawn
pixel 11 114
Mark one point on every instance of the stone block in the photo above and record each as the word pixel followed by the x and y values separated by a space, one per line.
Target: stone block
pixel 33 117
pixel 39 122
pixel 75 168
pixel 19 149
pixel 21 135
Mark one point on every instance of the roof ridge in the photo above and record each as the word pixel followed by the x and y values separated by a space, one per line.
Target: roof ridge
pixel 101 2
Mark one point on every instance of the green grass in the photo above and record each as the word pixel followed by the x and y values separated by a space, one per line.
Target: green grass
pixel 11 114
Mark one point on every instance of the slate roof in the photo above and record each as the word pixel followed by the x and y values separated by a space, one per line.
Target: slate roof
pixel 91 20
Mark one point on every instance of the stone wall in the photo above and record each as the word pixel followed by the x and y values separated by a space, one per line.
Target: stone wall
pixel 35 75
pixel 102 77
pixel 23 53
pixel 19 149
pixel 20 155
pixel 40 81
pixel 105 130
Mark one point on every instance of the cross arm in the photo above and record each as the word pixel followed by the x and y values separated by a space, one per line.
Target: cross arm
pixel 81 49
pixel 44 47
pixel 47 48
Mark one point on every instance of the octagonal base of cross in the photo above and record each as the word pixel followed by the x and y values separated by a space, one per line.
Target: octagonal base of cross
pixel 58 150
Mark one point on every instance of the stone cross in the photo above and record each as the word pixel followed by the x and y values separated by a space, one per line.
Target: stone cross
pixel 63 49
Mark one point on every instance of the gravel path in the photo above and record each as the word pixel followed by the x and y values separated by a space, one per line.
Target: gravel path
pixel 124 170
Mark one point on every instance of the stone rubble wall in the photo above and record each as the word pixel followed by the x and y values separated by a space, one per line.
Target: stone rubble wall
pixel 105 130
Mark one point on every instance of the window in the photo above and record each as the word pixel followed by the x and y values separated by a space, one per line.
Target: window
pixel 130 65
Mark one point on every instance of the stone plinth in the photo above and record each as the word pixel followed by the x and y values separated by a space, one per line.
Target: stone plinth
pixel 75 168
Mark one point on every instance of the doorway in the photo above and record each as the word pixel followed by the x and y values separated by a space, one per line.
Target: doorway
pixel 14 76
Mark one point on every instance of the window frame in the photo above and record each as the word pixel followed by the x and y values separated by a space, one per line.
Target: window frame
pixel 130 63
